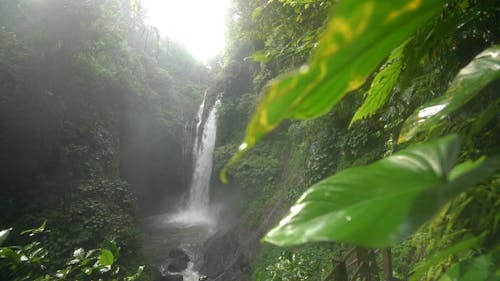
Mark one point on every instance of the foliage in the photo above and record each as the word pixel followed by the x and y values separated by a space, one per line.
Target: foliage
pixel 29 262
pixel 479 268
pixel 462 246
pixel 428 62
pixel 355 28
pixel 310 262
pixel 288 30
pixel 88 93
pixel 471 217
pixel 467 84
pixel 344 208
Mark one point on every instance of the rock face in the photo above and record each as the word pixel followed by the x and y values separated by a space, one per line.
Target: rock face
pixel 228 255
pixel 178 260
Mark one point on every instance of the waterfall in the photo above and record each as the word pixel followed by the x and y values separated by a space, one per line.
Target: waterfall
pixel 199 121
pixel 197 209
pixel 195 222
pixel 199 193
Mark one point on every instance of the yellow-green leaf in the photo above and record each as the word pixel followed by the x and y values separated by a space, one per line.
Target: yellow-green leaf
pixel 106 258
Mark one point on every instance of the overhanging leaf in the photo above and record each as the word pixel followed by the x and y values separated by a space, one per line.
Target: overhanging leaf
pixel 379 204
pixel 358 37
pixel 481 71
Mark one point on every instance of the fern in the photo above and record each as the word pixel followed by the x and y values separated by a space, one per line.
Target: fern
pixel 382 86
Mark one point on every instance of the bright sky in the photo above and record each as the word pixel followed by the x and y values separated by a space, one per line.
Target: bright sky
pixel 199 25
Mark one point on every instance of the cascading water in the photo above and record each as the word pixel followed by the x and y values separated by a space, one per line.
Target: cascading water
pixel 199 190
pixel 197 209
pixel 199 121
pixel 189 228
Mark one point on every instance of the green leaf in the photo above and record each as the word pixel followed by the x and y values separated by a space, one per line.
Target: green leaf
pixel 459 247
pixel 106 257
pixel 379 204
pixel 35 231
pixel 381 87
pixel 359 36
pixel 111 246
pixel 480 268
pixel 261 56
pixel 257 12
pixel 10 254
pixel 4 234
pixel 482 70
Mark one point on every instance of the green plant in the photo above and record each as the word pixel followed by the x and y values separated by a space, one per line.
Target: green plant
pixel 404 191
pixel 354 42
pixel 29 262
pixel 310 262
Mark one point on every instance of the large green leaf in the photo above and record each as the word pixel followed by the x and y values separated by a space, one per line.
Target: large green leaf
pixel 357 38
pixel 482 70
pixel 379 204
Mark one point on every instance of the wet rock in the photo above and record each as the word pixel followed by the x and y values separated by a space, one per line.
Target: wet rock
pixel 228 255
pixel 178 260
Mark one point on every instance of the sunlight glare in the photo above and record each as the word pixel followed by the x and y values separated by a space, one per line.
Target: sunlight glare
pixel 199 25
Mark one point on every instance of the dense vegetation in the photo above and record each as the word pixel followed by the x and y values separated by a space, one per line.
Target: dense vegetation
pixel 298 154
pixel 86 86
pixel 95 105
